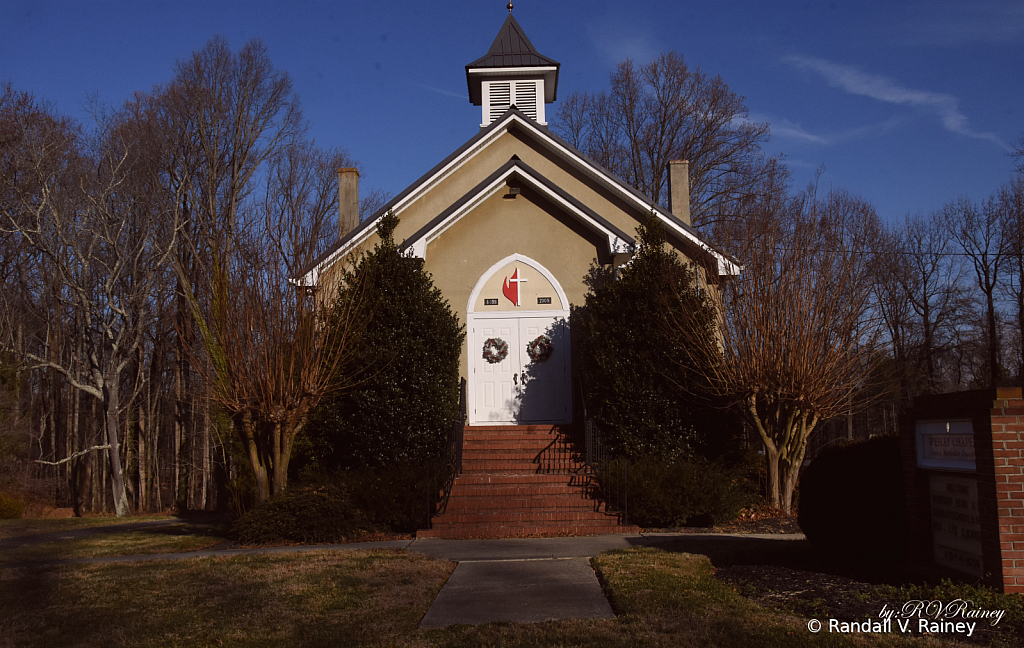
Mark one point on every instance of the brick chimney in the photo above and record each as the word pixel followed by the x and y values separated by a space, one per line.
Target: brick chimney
pixel 679 189
pixel 348 200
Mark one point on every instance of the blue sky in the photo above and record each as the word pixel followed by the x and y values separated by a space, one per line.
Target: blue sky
pixel 908 104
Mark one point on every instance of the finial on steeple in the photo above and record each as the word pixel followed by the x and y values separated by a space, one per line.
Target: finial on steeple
pixel 510 6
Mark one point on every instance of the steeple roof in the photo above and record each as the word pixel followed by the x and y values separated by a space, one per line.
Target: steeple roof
pixel 511 48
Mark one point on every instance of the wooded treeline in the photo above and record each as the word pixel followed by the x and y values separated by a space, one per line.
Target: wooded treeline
pixel 112 237
pixel 127 247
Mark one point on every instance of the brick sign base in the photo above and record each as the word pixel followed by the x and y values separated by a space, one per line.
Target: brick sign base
pixel 963 461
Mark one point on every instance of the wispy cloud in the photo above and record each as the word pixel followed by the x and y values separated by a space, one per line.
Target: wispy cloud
pixel 783 128
pixel 439 91
pixel 620 33
pixel 945 107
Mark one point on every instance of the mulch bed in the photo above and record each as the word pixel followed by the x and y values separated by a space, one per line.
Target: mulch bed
pixel 823 589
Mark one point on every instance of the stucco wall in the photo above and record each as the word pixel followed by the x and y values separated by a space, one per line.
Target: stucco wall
pixel 498 228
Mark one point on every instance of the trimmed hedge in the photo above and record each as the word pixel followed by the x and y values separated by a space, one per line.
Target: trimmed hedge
pixel 393 498
pixel 852 501
pixel 681 492
pixel 319 514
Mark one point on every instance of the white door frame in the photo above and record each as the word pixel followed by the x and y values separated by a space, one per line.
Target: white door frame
pixel 472 317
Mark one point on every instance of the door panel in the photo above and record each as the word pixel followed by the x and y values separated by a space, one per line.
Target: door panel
pixel 544 394
pixel 496 393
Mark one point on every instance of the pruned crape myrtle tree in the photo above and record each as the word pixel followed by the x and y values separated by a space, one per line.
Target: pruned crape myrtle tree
pixel 273 349
pixel 794 346
pixel 662 111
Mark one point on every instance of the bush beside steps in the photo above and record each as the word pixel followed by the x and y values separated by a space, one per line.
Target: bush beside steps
pixel 315 514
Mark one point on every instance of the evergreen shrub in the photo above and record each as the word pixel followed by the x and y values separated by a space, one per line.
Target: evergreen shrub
pixel 681 492
pixel 638 381
pixel 852 501
pixel 312 514
pixel 392 497
pixel 409 397
pixel 11 507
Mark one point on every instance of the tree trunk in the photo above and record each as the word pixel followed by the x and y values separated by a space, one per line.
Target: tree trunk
pixel 259 467
pixel 111 404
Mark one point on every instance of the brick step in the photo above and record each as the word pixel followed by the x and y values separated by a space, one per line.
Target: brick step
pixel 513 445
pixel 520 478
pixel 523 490
pixel 497 445
pixel 526 503
pixel 524 467
pixel 519 506
pixel 515 454
pixel 525 532
pixel 473 429
pixel 521 517
pixel 514 436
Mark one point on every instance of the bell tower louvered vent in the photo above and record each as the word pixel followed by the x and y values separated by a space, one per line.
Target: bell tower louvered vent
pixel 499 99
pixel 512 74
pixel 498 96
pixel 526 98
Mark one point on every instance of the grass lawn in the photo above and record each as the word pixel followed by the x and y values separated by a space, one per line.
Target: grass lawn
pixel 168 539
pixel 377 598
pixel 16 528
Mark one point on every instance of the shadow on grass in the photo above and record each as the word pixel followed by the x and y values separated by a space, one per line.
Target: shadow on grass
pixel 181 525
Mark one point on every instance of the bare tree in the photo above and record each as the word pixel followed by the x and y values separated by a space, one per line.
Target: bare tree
pixel 795 344
pixel 665 111
pixel 1010 203
pixel 95 253
pixel 930 275
pixel 271 355
pixel 980 234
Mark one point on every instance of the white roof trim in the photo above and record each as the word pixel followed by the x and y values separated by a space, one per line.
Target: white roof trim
pixel 725 265
pixel 511 71
pixel 616 245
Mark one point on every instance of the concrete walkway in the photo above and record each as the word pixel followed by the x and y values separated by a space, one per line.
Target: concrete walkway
pixel 525 580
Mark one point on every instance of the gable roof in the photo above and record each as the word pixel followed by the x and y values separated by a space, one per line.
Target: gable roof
pixel 511 48
pixel 513 117
pixel 521 173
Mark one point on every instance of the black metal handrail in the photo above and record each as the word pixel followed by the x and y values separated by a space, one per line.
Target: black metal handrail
pixel 612 475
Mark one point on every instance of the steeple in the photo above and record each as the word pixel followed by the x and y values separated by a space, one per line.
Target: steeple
pixel 512 73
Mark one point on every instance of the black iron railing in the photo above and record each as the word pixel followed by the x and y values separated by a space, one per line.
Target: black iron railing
pixel 612 474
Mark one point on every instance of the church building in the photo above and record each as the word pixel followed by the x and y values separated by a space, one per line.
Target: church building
pixel 509 225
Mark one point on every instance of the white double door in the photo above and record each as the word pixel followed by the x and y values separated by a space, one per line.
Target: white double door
pixel 519 389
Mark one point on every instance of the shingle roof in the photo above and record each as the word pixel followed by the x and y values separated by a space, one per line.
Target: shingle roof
pixel 511 48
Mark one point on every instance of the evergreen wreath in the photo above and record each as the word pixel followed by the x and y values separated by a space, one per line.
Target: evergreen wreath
pixel 495 350
pixel 540 349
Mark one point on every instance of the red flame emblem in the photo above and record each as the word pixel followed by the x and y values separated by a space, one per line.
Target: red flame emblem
pixel 511 287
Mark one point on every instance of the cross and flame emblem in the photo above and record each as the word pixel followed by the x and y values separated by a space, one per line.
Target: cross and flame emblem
pixel 511 287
